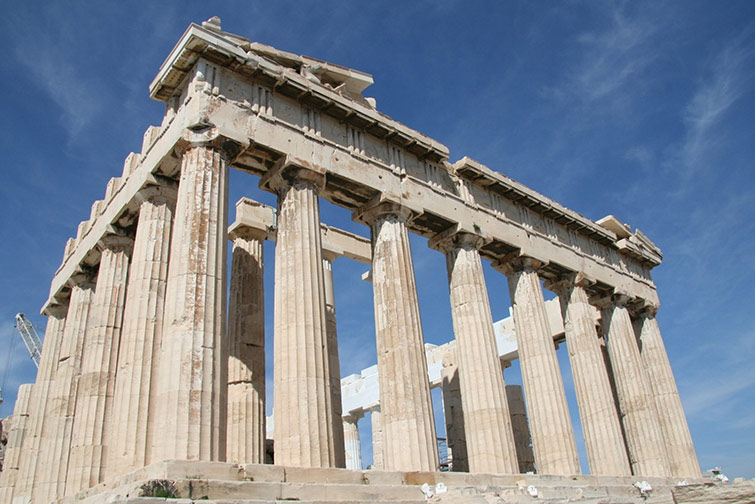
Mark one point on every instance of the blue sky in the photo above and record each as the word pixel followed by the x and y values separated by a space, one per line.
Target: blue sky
pixel 644 110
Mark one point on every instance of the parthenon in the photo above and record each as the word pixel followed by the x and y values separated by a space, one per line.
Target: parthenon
pixel 153 367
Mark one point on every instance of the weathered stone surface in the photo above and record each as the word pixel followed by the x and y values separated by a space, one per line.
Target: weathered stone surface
pixel 742 493
pixel 409 441
pixel 334 363
pixel 304 427
pixel 133 420
pixel 246 356
pixel 645 445
pixel 193 361
pixel 552 434
pixel 352 444
pixel 453 410
pixel 487 422
pixel 17 432
pixel 376 419
pixel 96 384
pixel 673 423
pixel 521 428
pixel 604 441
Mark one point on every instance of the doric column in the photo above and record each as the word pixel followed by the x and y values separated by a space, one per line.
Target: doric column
pixel 94 397
pixel 409 442
pixel 303 426
pixel 192 380
pixel 133 420
pixel 334 364
pixel 645 444
pixel 673 423
pixel 246 350
pixel 604 442
pixel 454 417
pixel 377 438
pixel 552 435
pixel 521 428
pixel 487 422
pixel 17 432
pixel 352 444
pixel 51 481
pixel 40 413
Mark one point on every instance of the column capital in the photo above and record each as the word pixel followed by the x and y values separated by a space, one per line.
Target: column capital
pixel 353 416
pixel 616 299
pixel 83 279
pixel 163 193
pixel 205 135
pixel 289 171
pixel 566 281
pixel 457 237
pixel 380 207
pixel 242 232
pixel 55 310
pixel 116 242
pixel 517 262
pixel 644 309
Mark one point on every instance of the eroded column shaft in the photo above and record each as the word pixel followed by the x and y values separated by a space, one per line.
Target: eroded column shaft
pixel 487 421
pixel 246 357
pixel 334 363
pixel 192 380
pixel 31 462
pixel 100 355
pixel 352 444
pixel 16 437
pixel 377 439
pixel 302 390
pixel 521 428
pixel 134 418
pixel 645 444
pixel 453 410
pixel 409 442
pixel 51 480
pixel 673 423
pixel 601 428
pixel 552 434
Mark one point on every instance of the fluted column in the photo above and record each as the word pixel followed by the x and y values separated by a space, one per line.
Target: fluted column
pixel 133 419
pixel 645 443
pixel 246 350
pixel 303 426
pixel 352 445
pixel 521 428
pixel 334 364
pixel 94 397
pixel 673 423
pixel 377 438
pixel 454 417
pixel 601 428
pixel 192 380
pixel 31 462
pixel 487 421
pixel 409 442
pixel 17 433
pixel 552 434
pixel 51 481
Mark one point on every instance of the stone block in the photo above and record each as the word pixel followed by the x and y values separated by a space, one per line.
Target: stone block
pixel 323 475
pixel 264 472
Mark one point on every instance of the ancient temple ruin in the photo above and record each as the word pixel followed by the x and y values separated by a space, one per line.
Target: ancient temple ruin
pixel 147 360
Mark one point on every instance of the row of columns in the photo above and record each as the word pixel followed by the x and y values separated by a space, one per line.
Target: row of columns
pixel 138 369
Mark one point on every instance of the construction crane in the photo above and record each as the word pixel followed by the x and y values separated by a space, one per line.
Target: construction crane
pixel 30 337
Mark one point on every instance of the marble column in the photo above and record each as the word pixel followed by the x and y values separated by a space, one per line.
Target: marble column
pixel 521 428
pixel 334 364
pixel 377 438
pixel 96 385
pixel 31 462
pixel 17 432
pixel 246 350
pixel 673 423
pixel 487 422
pixel 552 434
pixel 352 444
pixel 192 379
pixel 645 443
pixel 302 392
pixel 54 455
pixel 601 428
pixel 133 420
pixel 454 417
pixel 409 441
